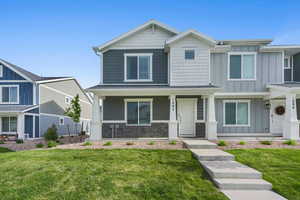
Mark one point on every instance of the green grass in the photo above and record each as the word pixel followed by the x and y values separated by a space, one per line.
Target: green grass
pixel 4 150
pixel 281 167
pixel 290 142
pixel 128 174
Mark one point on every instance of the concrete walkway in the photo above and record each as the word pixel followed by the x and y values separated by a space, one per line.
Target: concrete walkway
pixel 236 181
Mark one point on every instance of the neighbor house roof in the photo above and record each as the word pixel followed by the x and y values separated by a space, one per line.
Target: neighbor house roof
pixel 151 22
pixel 191 32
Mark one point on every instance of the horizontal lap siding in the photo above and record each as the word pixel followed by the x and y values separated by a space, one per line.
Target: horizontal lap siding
pixel 259 118
pixel 113 66
pixel 268 70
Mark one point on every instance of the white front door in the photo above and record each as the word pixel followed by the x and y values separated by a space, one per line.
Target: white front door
pixel 186 117
pixel 276 119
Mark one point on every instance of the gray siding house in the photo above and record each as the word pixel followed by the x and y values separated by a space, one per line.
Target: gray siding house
pixel 30 104
pixel 157 82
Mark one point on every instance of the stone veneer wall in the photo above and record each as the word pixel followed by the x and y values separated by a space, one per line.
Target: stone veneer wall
pixel 120 130
pixel 200 129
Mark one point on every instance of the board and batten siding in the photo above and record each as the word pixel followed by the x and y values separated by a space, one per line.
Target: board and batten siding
pixel 148 37
pixel 269 70
pixel 189 72
pixel 296 67
pixel 113 66
pixel 259 118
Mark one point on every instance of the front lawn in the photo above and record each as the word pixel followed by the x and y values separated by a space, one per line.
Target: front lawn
pixel 104 174
pixel 281 167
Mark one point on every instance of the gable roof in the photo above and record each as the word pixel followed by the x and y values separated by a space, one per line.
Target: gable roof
pixel 191 32
pixel 26 74
pixel 125 35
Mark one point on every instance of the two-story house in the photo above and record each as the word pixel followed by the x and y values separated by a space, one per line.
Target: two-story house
pixel 30 104
pixel 158 82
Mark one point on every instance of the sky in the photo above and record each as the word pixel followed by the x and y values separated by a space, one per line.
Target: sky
pixel 55 38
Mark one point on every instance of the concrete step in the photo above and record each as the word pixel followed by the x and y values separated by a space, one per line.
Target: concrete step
pixel 211 155
pixel 242 184
pixel 252 194
pixel 199 144
pixel 230 169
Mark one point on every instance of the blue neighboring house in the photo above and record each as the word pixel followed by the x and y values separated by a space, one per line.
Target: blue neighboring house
pixel 30 104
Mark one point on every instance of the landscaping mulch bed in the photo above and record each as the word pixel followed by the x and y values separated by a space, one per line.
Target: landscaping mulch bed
pixel 136 144
pixel 257 144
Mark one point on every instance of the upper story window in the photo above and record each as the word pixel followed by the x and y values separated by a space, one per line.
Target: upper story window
pixel 236 113
pixel 189 54
pixel 138 67
pixel 68 100
pixel 287 62
pixel 138 111
pixel 9 94
pixel 242 66
pixel 1 70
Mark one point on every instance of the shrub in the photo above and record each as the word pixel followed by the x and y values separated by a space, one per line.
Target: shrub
pixel 290 142
pixel 266 142
pixel 129 143
pixel 242 143
pixel 60 142
pixel 222 143
pixel 19 141
pixel 87 144
pixel 51 144
pixel 2 142
pixel 61 137
pixel 39 145
pixel 51 133
pixel 173 142
pixel 151 143
pixel 107 143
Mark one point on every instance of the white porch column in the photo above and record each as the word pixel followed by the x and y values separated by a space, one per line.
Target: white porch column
pixel 211 123
pixel 173 120
pixel 291 125
pixel 96 122
pixel 20 126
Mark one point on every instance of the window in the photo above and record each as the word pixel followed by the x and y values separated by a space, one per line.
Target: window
pixel 287 64
pixel 61 121
pixel 9 124
pixel 138 67
pixel 189 54
pixel 138 111
pixel 10 94
pixel 67 100
pixel 236 113
pixel 1 70
pixel 242 66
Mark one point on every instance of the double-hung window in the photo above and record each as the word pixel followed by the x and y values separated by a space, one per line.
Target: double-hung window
pixel 287 62
pixel 138 111
pixel 9 124
pixel 236 113
pixel 9 94
pixel 138 67
pixel 242 66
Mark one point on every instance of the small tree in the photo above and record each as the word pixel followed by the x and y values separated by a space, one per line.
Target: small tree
pixel 74 111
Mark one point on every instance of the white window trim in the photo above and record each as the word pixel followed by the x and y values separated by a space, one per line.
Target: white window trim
pixel 125 67
pixel 289 62
pixel 138 100
pixel 8 132
pixel 1 70
pixel 241 54
pixel 189 60
pixel 18 95
pixel 67 97
pixel 63 122
pixel 236 101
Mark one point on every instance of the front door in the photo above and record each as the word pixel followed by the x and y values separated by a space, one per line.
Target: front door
pixel 276 116
pixel 186 117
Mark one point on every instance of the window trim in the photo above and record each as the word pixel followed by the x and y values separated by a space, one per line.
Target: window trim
pixel 1 94
pixel 67 97
pixel 1 70
pixel 125 67
pixel 236 101
pixel 59 122
pixel 241 54
pixel 150 100
pixel 8 132
pixel 190 49
pixel 289 62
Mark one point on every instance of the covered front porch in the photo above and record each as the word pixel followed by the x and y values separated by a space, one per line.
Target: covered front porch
pixel 153 112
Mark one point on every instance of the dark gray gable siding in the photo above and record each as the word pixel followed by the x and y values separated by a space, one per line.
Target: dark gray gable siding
pixel 113 65
pixel 296 61
pixel 287 75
